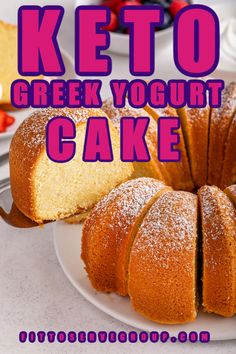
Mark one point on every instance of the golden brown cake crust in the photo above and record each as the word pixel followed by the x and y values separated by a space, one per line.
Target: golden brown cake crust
pixel 179 172
pixel 109 231
pixel 229 165
pixel 231 193
pixel 162 269
pixel 220 122
pixel 219 251
pixel 195 125
pixel 27 145
pixel 152 168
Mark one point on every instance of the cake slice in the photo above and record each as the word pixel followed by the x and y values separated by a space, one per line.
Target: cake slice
pixel 229 165
pixel 152 168
pixel 46 190
pixel 231 193
pixel 195 125
pixel 8 62
pixel 219 251
pixel 220 122
pixel 110 229
pixel 162 277
pixel 179 171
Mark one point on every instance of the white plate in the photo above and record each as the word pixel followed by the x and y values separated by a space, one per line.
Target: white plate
pixel 21 114
pixel 67 239
pixel 4 146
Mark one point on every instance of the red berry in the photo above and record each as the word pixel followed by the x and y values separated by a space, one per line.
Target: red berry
pixel 112 4
pixel 113 23
pixel 9 120
pixel 127 3
pixel 177 5
pixel 2 121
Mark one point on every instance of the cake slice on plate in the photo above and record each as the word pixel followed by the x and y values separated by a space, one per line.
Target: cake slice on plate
pixel 8 62
pixel 46 190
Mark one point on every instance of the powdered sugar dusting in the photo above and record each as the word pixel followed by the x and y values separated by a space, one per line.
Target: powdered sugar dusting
pixel 165 112
pixel 197 114
pixel 127 202
pixel 115 114
pixel 224 114
pixel 32 132
pixel 232 189
pixel 168 228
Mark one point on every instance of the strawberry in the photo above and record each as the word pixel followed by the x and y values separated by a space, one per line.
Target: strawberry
pixel 175 6
pixel 113 23
pixel 2 121
pixel 9 120
pixel 5 121
pixel 112 4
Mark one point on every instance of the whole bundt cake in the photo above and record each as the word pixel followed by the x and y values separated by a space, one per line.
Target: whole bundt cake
pixel 151 242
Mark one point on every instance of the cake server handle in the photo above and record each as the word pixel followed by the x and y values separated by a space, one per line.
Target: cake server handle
pixel 4 183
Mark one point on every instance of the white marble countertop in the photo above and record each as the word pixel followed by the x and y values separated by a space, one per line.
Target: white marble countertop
pixel 34 292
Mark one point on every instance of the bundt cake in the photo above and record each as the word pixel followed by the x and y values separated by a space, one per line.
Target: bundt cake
pixel 219 251
pixel 163 260
pixel 109 231
pixel 231 193
pixel 153 168
pixel 195 125
pixel 221 119
pixel 142 240
pixel 45 190
pixel 179 171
